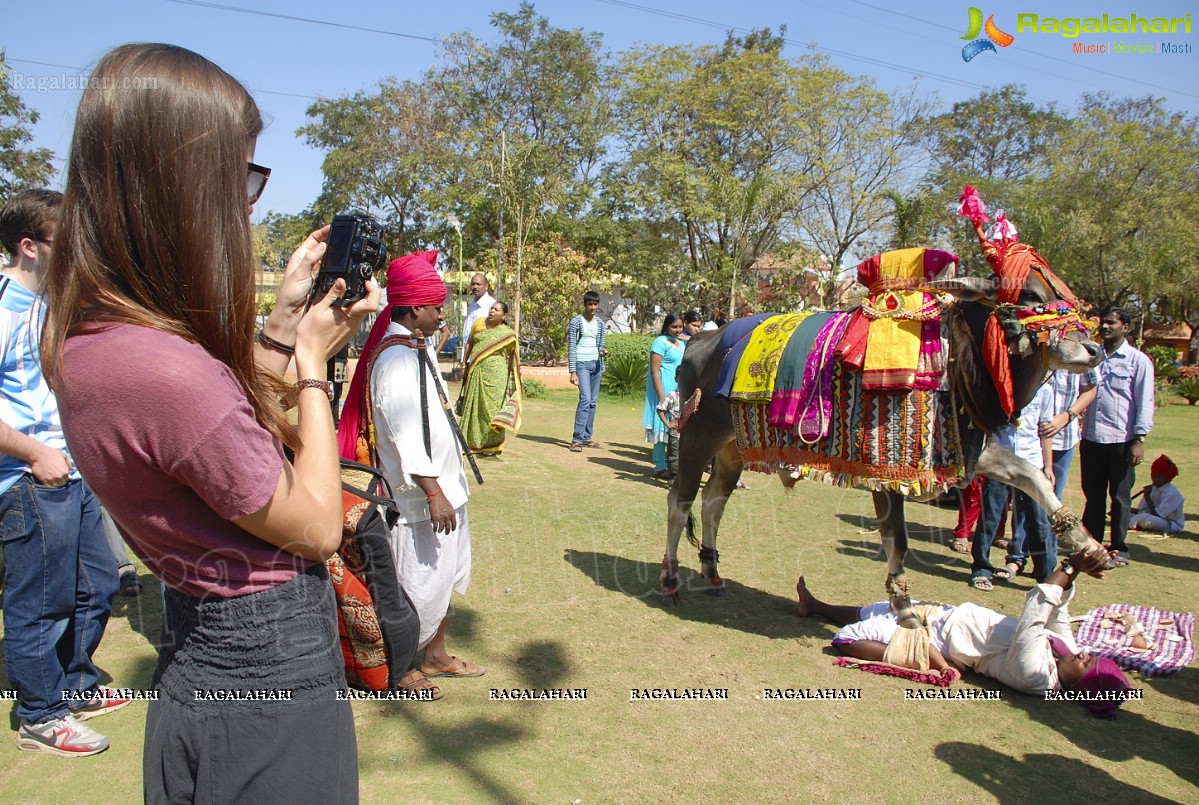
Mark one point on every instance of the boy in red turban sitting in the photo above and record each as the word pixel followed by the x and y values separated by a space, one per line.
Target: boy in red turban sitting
pixel 1161 503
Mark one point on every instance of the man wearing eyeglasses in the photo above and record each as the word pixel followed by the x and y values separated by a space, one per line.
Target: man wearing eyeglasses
pixel 60 574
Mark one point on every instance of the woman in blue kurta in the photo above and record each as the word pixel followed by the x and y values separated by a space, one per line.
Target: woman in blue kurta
pixel 665 356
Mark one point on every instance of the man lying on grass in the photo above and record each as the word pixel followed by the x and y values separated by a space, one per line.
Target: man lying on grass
pixel 1033 654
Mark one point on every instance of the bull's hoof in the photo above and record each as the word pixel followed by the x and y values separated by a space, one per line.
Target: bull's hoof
pixel 712 576
pixel 668 581
pixel 901 602
pixel 897 585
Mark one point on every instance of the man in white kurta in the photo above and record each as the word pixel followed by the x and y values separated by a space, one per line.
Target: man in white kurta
pixel 417 449
pixel 1033 653
pixel 431 566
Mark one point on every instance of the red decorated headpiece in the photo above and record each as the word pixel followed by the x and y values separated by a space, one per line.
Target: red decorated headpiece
pixel 1012 262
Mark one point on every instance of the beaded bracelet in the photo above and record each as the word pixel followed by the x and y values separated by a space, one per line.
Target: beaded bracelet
pixel 278 346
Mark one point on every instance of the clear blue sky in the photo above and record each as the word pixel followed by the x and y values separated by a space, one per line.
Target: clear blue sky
pixel 287 62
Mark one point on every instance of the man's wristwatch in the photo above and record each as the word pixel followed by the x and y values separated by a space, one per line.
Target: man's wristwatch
pixel 1140 439
pixel 1071 415
pixel 1068 569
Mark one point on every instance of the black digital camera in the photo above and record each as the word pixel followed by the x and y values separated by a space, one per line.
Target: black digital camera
pixel 353 252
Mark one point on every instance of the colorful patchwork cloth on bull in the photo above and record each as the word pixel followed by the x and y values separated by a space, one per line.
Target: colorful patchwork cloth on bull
pixel 759 363
pixel 803 390
pixel 733 341
pixel 906 443
pixel 1106 632
pixel 895 338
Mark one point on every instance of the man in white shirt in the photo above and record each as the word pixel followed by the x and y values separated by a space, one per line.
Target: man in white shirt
pixel 480 304
pixel 1033 654
pixel 418 451
pixel 1031 534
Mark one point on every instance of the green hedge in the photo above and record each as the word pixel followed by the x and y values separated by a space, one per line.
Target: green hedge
pixel 628 344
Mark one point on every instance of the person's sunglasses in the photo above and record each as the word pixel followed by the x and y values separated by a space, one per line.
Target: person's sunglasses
pixel 256 181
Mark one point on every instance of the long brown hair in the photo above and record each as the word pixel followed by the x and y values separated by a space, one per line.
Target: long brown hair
pixel 154 229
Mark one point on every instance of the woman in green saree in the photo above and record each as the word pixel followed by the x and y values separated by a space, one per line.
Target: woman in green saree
pixel 491 396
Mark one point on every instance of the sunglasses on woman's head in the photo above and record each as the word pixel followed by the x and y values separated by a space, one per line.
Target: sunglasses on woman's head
pixel 256 181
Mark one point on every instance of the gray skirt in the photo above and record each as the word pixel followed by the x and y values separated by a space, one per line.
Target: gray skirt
pixel 248 707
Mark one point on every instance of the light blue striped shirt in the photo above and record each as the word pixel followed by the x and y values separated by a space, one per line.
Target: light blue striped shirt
pixel 1067 386
pixel 26 403
pixel 1124 406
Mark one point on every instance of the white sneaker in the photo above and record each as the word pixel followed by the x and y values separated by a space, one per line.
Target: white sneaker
pixel 103 702
pixel 64 736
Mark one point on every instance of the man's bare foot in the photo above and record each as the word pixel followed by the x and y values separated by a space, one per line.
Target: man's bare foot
pixel 804 608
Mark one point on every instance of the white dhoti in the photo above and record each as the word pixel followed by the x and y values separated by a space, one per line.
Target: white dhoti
pixel 431 567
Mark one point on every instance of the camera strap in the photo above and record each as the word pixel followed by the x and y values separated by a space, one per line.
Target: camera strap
pixel 426 364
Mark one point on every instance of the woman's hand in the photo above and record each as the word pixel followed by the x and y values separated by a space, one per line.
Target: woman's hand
pixel 326 328
pixel 297 283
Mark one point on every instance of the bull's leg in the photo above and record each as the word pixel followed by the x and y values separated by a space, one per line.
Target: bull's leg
pixel 1002 465
pixel 696 448
pixel 679 502
pixel 888 506
pixel 725 474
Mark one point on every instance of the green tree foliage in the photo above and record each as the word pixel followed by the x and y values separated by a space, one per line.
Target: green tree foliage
pixel 1001 143
pixel 555 279
pixel 20 167
pixel 387 153
pixel 531 114
pixel 860 142
pixel 912 219
pixel 712 165
pixel 1121 191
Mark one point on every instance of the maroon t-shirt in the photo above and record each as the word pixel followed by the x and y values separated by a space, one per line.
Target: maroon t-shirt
pixel 164 435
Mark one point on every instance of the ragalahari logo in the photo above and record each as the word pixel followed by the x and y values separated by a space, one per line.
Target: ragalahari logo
pixel 977 46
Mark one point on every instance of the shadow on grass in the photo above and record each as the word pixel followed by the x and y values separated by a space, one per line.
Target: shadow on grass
pixel 916 531
pixel 539 664
pixel 742 608
pixel 953 568
pixel 1183 685
pixel 551 440
pixel 144 612
pixel 629 471
pixel 1152 552
pixel 1129 736
pixel 1035 778
pixel 456 745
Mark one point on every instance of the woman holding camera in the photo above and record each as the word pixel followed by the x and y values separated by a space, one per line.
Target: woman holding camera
pixel 153 262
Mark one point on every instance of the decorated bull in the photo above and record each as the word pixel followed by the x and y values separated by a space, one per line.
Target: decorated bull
pixel 896 397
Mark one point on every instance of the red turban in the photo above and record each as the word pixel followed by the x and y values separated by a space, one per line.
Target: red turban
pixel 412 281
pixel 1164 466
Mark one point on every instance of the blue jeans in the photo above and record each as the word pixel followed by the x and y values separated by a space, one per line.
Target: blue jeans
pixel 60 581
pixel 994 501
pixel 1061 468
pixel 1032 538
pixel 589 373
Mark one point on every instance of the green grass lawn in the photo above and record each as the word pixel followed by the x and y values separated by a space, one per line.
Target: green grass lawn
pixel 566 556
